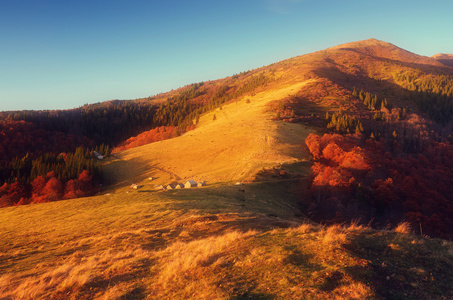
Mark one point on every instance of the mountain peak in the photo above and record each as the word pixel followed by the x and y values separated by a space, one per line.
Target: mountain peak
pixel 377 48
pixel 444 58
pixel 372 42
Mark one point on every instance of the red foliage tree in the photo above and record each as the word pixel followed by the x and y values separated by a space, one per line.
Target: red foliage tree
pixel 13 194
pixel 38 185
pixel 53 190
pixel 150 136
pixel 81 187
pixel 46 190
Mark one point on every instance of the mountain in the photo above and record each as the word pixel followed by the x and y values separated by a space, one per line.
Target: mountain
pixel 329 175
pixel 446 59
pixel 379 49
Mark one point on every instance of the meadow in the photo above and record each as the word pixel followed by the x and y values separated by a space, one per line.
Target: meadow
pixel 219 242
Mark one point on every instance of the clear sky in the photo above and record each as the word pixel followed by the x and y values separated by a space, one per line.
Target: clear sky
pixel 62 54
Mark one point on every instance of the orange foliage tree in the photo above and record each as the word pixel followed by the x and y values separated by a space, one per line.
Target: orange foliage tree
pixel 147 137
pixel 81 187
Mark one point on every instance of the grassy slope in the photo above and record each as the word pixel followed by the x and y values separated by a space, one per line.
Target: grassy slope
pixel 226 242
pixel 242 140
pixel 219 242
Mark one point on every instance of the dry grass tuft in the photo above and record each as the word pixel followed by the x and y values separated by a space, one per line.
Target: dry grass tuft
pixel 302 229
pixel 114 292
pixel 355 290
pixel 5 282
pixel 334 235
pixel 403 227
pixel 355 225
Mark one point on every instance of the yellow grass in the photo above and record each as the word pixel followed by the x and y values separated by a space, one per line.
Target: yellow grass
pixel 403 227
pixel 186 256
pixel 242 140
pixel 334 235
pixel 77 271
pixel 194 248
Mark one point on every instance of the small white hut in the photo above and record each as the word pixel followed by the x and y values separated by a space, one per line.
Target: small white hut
pixel 179 186
pixel 190 184
pixel 201 183
pixel 170 187
pixel 98 155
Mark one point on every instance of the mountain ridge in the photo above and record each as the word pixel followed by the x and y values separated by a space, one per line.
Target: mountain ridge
pixel 378 48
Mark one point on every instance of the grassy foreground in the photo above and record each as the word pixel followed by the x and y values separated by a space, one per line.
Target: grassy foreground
pixel 224 242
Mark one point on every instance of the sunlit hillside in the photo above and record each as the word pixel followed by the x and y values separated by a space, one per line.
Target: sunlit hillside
pixel 230 144
pixel 328 177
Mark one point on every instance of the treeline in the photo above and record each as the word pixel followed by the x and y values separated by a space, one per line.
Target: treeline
pixel 394 171
pixel 65 166
pixel 51 177
pixel 17 138
pixel 107 123
pixel 150 136
pixel 418 81
pixel 182 109
pixel 340 122
pixel 433 94
pixel 46 189
pixel 115 121
pixel 179 111
pixel 250 86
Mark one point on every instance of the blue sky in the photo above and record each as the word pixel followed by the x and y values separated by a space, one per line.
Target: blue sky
pixel 62 54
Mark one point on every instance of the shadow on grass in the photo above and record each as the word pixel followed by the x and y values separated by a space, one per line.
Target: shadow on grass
pixel 135 294
pixel 332 281
pixel 402 266
pixel 279 198
pixel 196 227
pixel 299 259
pixel 139 271
pixel 251 295
pixel 147 191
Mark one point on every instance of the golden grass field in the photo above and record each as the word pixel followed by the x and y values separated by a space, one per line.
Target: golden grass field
pixel 242 140
pixel 222 241
pixel 226 242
